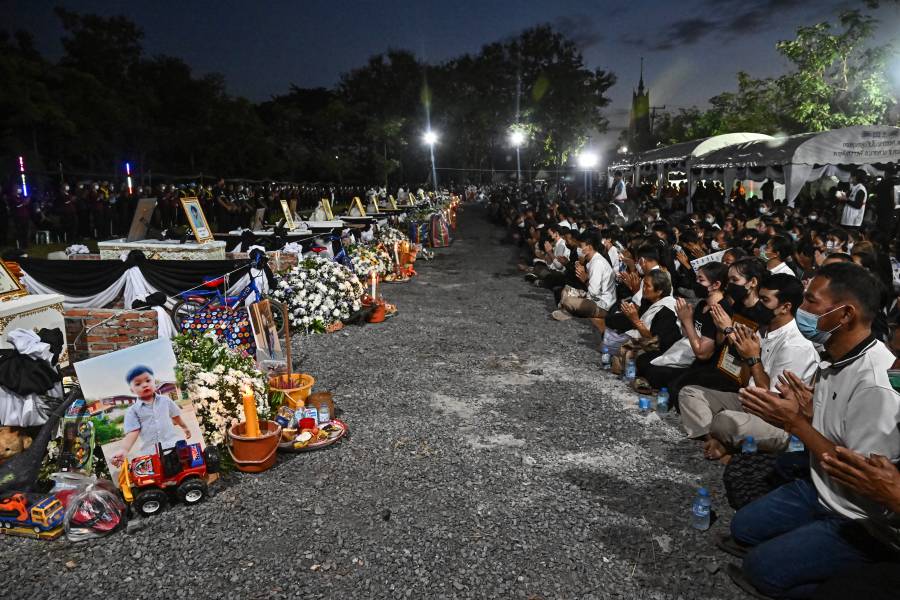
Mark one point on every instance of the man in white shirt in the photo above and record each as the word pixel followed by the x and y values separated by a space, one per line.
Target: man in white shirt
pixel 552 258
pixel 718 417
pixel 619 191
pixel 600 281
pixel 776 250
pixel 805 531
pixel 854 202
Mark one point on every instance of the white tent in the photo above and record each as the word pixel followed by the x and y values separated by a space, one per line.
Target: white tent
pixel 661 161
pixel 798 159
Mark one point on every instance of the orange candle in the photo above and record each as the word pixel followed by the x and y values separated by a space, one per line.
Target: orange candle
pixel 250 415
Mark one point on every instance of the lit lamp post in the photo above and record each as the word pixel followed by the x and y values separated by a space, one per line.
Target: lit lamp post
pixel 431 139
pixel 587 160
pixel 518 138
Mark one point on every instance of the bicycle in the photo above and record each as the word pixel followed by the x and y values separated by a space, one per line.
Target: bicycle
pixel 208 295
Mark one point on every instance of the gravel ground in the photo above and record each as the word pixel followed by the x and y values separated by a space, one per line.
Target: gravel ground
pixel 490 457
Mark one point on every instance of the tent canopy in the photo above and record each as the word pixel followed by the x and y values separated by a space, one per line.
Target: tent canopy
pixel 686 150
pixel 798 159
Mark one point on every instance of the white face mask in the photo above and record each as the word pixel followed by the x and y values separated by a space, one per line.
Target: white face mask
pixel 579 252
pixel 849 246
pixel 710 220
pixel 829 245
pixel 714 245
pixel 813 217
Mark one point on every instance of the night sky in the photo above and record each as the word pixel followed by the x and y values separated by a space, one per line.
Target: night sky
pixel 692 48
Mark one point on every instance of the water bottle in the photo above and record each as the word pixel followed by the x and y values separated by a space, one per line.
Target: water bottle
pixel 749 445
pixel 605 359
pixel 324 415
pixel 644 404
pixel 630 370
pixel 700 510
pixel 662 400
pixel 795 445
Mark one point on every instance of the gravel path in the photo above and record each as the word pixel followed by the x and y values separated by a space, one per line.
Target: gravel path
pixel 489 458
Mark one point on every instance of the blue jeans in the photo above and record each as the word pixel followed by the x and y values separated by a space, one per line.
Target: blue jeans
pixel 798 543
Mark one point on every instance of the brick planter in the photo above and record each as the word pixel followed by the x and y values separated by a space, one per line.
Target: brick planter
pixel 95 331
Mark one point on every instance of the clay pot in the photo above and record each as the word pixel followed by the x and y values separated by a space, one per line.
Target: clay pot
pixel 378 314
pixel 254 454
pixel 296 388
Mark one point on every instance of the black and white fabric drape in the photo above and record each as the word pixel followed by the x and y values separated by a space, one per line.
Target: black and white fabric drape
pixel 98 283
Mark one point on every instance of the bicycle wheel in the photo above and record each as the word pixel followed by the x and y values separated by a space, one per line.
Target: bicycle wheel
pixel 184 308
pixel 277 315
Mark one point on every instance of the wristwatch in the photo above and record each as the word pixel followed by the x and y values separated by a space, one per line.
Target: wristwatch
pixel 728 330
pixel 753 361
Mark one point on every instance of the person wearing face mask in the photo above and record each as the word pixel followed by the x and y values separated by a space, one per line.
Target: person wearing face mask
pixel 777 249
pixel 718 417
pixel 697 324
pixel 804 531
pixel 595 272
pixel 743 284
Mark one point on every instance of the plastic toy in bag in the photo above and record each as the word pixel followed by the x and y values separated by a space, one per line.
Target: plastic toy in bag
pixel 94 512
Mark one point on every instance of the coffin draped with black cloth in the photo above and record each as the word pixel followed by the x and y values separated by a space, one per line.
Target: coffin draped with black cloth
pixel 98 283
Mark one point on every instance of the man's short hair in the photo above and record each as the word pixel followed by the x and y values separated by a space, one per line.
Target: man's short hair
pixel 849 281
pixel 787 288
pixel 647 251
pixel 661 281
pixel 138 370
pixel 782 245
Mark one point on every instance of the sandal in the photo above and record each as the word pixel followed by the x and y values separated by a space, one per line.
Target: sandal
pixel 642 386
pixel 740 580
pixel 731 546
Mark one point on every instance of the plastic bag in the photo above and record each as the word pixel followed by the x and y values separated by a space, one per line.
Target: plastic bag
pixel 94 512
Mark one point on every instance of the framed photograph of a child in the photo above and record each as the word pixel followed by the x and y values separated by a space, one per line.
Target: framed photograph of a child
pixel 135 404
pixel 269 354
pixel 10 286
pixel 197 220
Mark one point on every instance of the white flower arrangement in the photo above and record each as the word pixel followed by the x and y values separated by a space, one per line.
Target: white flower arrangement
pixel 389 235
pixel 365 259
pixel 214 378
pixel 318 292
pixel 77 249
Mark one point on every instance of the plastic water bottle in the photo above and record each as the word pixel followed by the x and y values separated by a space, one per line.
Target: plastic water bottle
pixel 795 445
pixel 644 404
pixel 749 445
pixel 630 370
pixel 605 359
pixel 700 510
pixel 324 415
pixel 662 400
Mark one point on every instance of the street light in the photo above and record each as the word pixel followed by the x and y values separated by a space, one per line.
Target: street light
pixel 587 160
pixel 431 139
pixel 518 138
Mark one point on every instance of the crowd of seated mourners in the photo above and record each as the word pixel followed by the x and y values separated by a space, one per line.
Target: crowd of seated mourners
pixel 766 323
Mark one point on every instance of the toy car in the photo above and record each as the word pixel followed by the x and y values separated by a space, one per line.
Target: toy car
pixel 18 512
pixel 146 481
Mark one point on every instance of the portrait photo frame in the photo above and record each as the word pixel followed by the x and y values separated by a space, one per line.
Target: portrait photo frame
pixel 193 211
pixel 10 286
pixel 140 222
pixel 288 217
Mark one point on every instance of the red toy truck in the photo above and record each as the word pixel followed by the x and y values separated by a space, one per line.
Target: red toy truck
pixel 146 481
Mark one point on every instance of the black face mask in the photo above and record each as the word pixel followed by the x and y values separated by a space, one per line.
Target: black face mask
pixel 737 292
pixel 700 290
pixel 764 315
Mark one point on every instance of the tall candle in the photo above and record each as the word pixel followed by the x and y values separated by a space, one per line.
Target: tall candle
pixel 250 415
pixel 396 259
pixel 374 277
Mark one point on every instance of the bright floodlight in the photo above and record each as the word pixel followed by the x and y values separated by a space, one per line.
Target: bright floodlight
pixel 517 138
pixel 587 160
pixel 624 149
pixel 430 138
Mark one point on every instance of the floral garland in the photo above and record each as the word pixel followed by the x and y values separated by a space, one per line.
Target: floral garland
pixel 365 259
pixel 318 292
pixel 215 377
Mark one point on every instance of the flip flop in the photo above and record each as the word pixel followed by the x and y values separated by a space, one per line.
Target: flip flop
pixel 731 546
pixel 737 576
pixel 642 386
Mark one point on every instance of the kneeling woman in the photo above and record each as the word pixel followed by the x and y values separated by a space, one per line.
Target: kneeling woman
pixel 655 317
